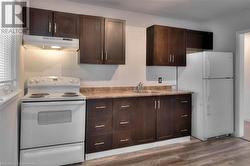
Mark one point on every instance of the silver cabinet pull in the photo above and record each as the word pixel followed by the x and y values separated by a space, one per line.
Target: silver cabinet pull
pixel 173 58
pixel 100 107
pixel 100 126
pixel 55 28
pixel 170 58
pixel 124 123
pixel 106 55
pixel 50 26
pixel 184 116
pixel 159 104
pixel 125 106
pixel 124 140
pixel 102 56
pixel 185 130
pixel 99 143
pixel 185 101
pixel 155 105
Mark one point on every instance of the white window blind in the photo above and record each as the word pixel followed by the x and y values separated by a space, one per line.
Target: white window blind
pixel 7 62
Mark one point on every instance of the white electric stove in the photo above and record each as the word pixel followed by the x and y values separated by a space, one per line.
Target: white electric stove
pixel 52 130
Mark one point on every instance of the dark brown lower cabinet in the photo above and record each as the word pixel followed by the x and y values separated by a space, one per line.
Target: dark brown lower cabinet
pixel 145 120
pixel 123 122
pixel 164 120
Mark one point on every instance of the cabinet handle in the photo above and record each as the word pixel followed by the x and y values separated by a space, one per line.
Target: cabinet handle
pixel 185 130
pixel 184 116
pixel 170 58
pixel 99 143
pixel 55 28
pixel 99 126
pixel 124 140
pixel 173 58
pixel 155 105
pixel 125 106
pixel 106 55
pixel 159 104
pixel 101 107
pixel 49 26
pixel 124 123
pixel 102 56
pixel 185 101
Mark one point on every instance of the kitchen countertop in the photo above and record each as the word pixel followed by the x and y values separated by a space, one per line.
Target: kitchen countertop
pixel 123 92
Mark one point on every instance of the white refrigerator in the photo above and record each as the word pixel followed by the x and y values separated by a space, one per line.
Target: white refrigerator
pixel 209 75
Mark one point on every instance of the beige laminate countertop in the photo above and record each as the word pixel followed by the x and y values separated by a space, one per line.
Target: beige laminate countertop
pixel 93 93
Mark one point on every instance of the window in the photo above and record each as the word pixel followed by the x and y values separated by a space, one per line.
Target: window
pixel 7 63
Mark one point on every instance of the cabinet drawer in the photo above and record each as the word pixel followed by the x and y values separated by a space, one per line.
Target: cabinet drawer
pixel 183 127
pixel 100 125
pixel 122 139
pixel 98 143
pixel 99 108
pixel 183 104
pixel 123 114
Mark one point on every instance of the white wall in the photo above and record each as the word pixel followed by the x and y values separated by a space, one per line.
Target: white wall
pixel 61 63
pixel 225 28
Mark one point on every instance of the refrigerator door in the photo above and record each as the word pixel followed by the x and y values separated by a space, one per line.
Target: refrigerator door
pixel 218 107
pixel 217 65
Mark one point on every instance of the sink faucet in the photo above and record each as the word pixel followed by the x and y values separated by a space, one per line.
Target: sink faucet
pixel 139 87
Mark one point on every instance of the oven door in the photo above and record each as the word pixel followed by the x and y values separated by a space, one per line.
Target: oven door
pixel 52 123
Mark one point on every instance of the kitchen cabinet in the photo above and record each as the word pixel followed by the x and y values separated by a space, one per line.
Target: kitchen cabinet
pixel 99 125
pixel 123 122
pixel 102 40
pixel 182 115
pixel 166 46
pixel 199 40
pixel 66 25
pixel 114 41
pixel 165 117
pixel 91 39
pixel 50 23
pixel 145 120
pixel 40 22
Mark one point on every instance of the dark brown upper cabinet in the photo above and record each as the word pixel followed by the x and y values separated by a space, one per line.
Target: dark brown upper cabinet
pixel 50 23
pixel 102 41
pixel 91 39
pixel 166 46
pixel 199 40
pixel 66 25
pixel 40 22
pixel 114 41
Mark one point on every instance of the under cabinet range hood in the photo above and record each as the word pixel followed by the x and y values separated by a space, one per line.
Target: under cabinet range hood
pixel 53 43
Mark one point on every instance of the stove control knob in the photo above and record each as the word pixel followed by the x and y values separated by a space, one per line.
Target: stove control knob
pixel 31 82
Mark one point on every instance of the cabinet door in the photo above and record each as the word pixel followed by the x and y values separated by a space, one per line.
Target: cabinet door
pixel 114 41
pixel 40 22
pixel 165 117
pixel 66 25
pixel 177 46
pixel 145 120
pixel 91 39
pixel 157 46
pixel 199 40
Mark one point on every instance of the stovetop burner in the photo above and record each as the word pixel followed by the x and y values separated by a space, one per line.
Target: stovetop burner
pixel 39 95
pixel 70 94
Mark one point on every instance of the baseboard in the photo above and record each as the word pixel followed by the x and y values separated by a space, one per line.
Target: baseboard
pixel 135 148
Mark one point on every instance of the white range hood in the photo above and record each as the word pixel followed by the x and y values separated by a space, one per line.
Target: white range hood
pixel 53 43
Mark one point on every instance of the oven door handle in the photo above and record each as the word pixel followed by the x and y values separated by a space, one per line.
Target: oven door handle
pixel 59 103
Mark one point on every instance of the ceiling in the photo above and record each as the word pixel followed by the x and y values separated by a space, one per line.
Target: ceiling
pixel 196 10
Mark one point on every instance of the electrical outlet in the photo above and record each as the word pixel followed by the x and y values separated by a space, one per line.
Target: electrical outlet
pixel 160 80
